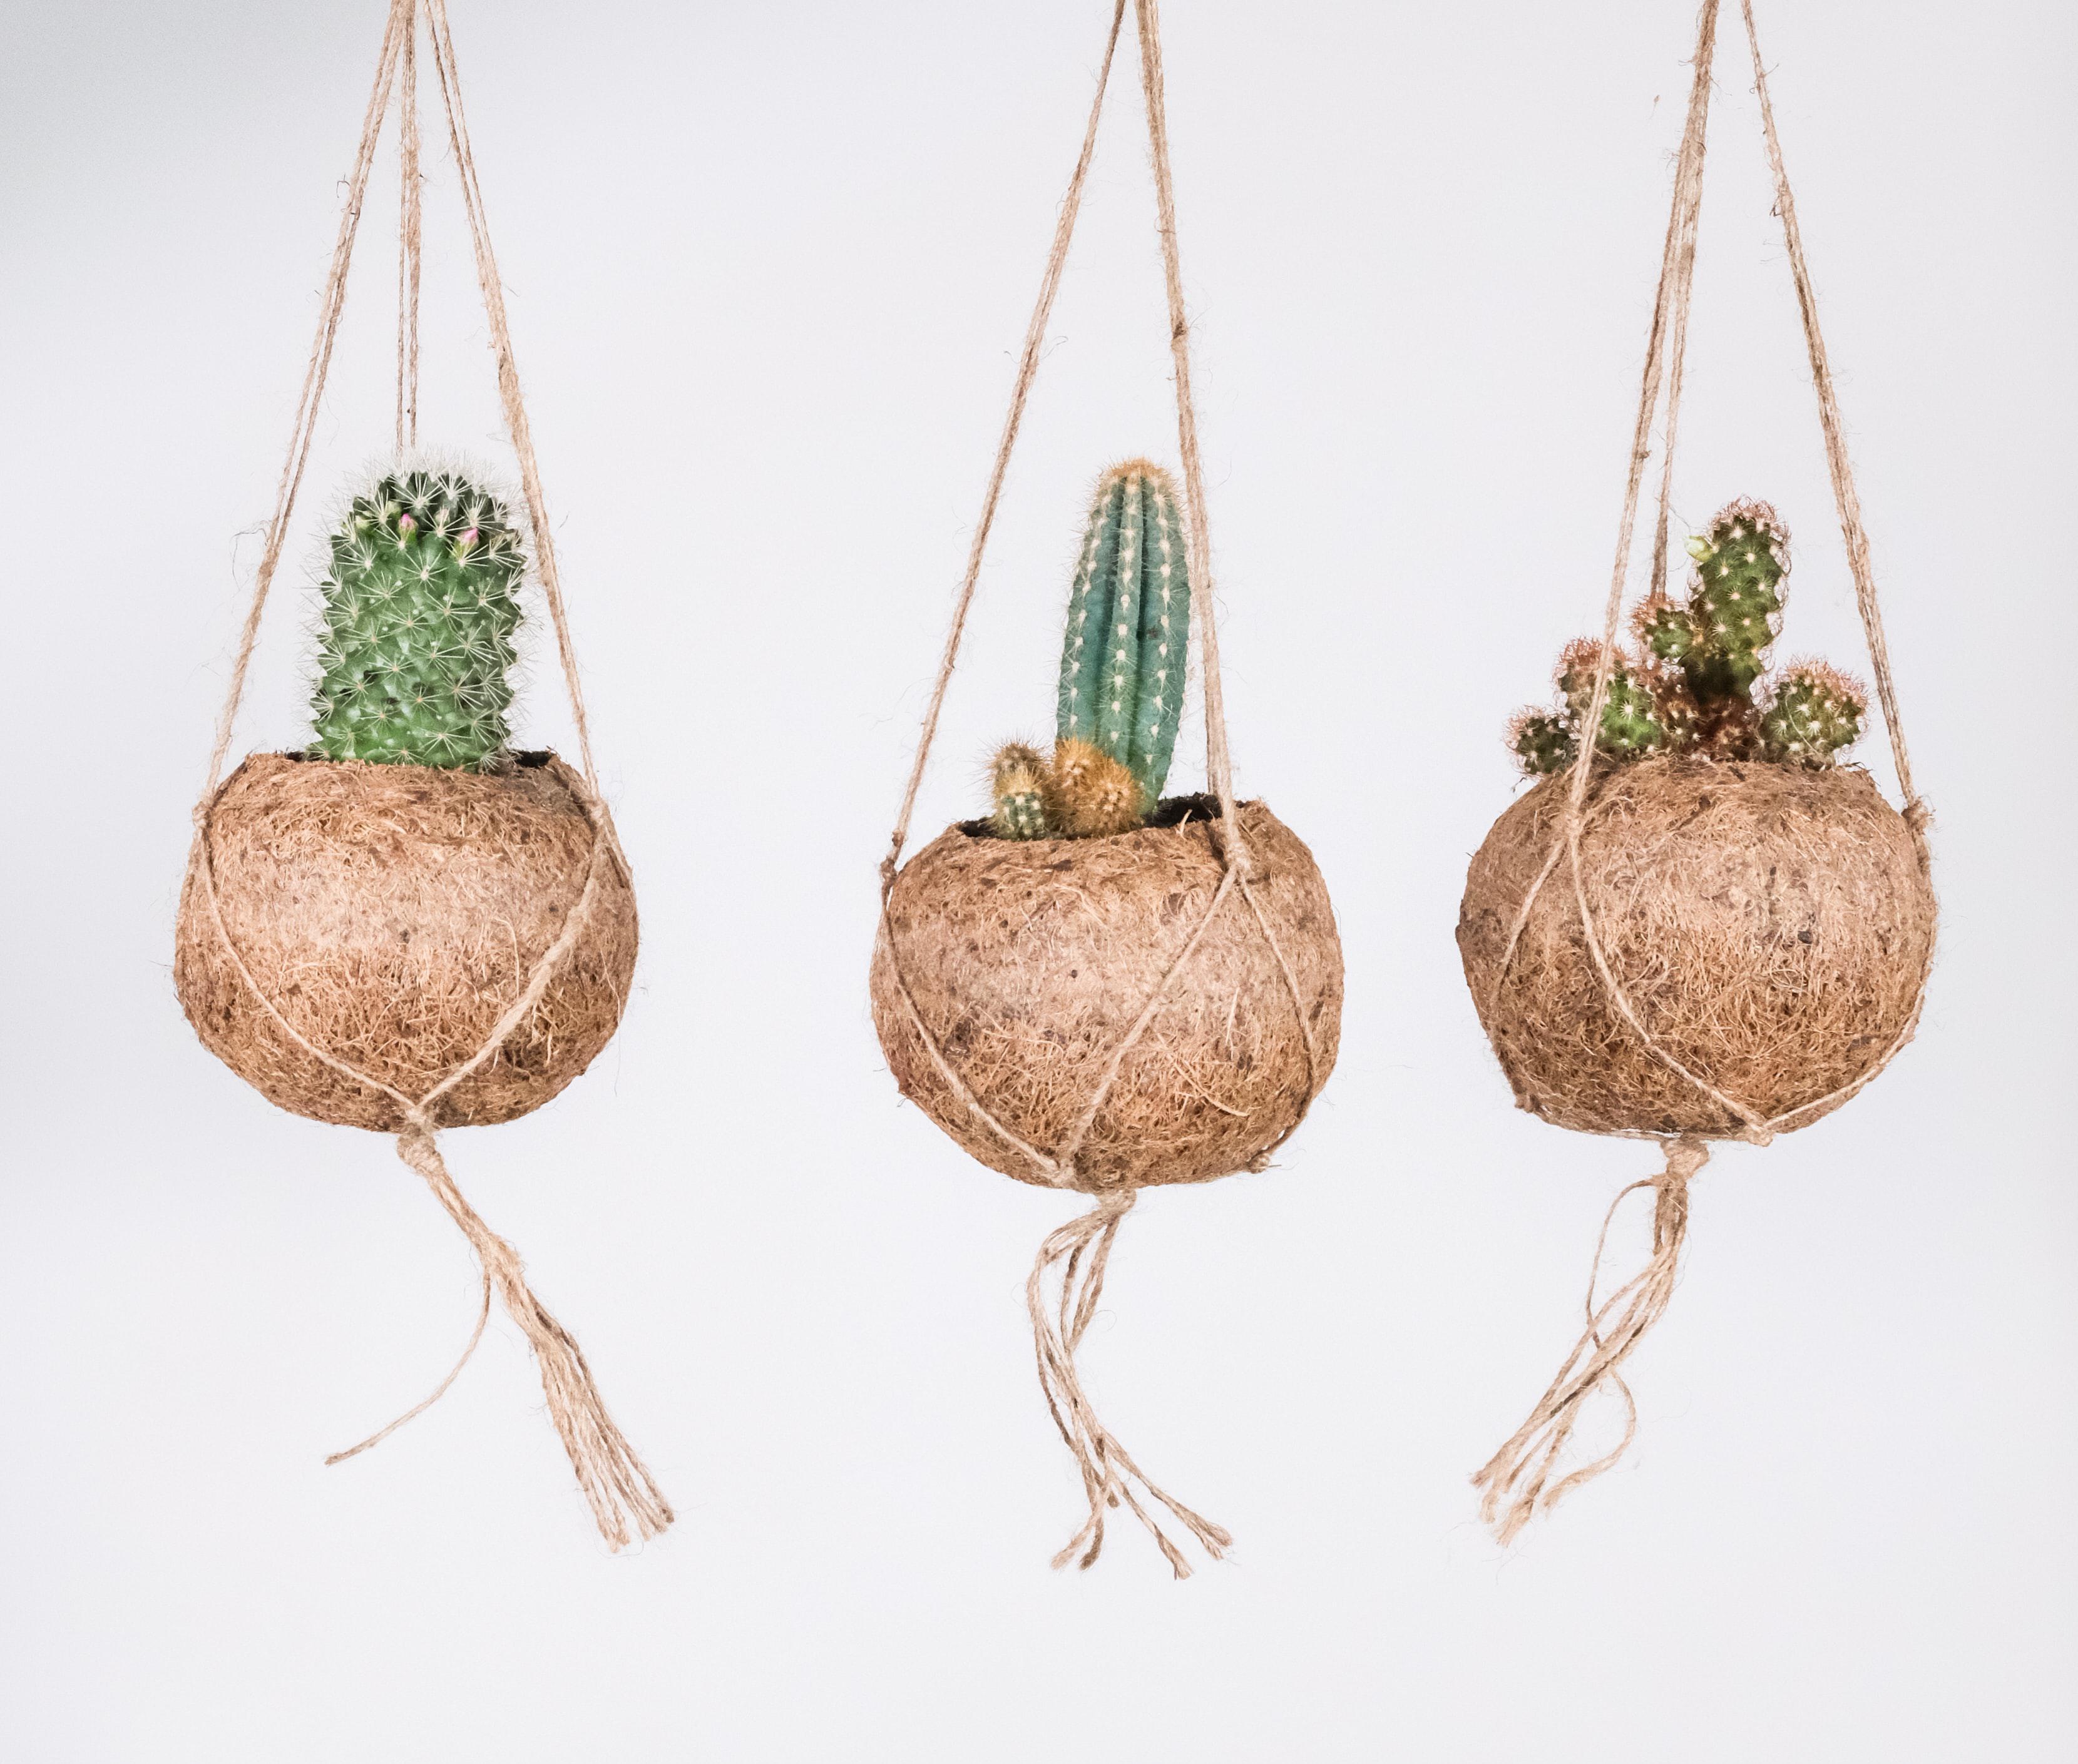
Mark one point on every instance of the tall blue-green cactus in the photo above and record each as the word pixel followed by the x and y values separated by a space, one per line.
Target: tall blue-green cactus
pixel 1124 654
pixel 419 614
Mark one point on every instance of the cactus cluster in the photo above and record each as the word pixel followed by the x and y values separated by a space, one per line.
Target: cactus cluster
pixel 1698 681
pixel 420 607
pixel 1123 661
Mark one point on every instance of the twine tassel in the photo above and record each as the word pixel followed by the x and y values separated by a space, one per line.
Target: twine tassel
pixel 1082 1247
pixel 625 1498
pixel 1515 1482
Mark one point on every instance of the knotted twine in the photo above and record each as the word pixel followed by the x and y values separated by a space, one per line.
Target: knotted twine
pixel 1516 1482
pixel 624 1499
pixel 1081 1250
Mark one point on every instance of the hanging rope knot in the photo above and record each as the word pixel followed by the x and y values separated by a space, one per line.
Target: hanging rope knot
pixel 1081 1249
pixel 1516 1483
pixel 1916 815
pixel 1685 1156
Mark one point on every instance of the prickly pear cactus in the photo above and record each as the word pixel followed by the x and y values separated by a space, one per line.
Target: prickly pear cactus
pixel 420 608
pixel 1122 655
pixel 1691 686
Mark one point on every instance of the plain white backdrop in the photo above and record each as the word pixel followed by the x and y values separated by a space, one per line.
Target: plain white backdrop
pixel 767 269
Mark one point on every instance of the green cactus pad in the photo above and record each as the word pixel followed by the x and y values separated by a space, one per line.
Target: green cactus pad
pixel 1124 651
pixel 419 613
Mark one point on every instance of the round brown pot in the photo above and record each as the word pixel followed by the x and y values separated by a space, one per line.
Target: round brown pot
pixel 1029 961
pixel 1771 926
pixel 392 914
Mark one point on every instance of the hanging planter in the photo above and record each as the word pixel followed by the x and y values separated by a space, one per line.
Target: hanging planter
pixel 407 925
pixel 1095 987
pixel 1704 922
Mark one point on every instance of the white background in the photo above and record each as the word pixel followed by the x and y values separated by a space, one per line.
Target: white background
pixel 767 267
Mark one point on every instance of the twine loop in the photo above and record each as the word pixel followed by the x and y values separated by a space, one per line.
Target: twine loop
pixel 1514 1480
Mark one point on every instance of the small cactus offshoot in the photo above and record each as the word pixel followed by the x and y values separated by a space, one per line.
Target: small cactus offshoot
pixel 1691 686
pixel 420 608
pixel 1124 658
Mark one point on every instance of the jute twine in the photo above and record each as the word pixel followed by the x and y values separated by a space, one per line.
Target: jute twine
pixel 1081 1250
pixel 1516 1481
pixel 624 1499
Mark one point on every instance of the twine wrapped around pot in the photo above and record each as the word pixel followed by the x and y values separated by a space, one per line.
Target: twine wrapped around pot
pixel 1681 949
pixel 1104 1014
pixel 393 916
pixel 1769 926
pixel 402 948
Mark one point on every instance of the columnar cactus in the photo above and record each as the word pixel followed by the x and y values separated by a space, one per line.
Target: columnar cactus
pixel 1124 658
pixel 420 608
pixel 1128 626
pixel 1690 690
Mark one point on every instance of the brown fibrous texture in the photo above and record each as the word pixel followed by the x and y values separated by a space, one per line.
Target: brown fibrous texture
pixel 1029 961
pixel 1771 926
pixel 392 914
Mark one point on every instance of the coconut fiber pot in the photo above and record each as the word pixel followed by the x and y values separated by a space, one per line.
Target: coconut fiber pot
pixel 1029 961
pixel 1771 926
pixel 392 914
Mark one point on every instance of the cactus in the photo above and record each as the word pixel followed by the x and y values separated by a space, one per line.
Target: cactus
pixel 1691 686
pixel 419 613
pixel 1814 712
pixel 1122 659
pixel 1630 719
pixel 1017 777
pixel 1089 795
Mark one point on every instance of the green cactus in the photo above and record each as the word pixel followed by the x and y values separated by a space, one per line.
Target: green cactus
pixel 1735 609
pixel 1631 719
pixel 1692 687
pixel 1123 655
pixel 419 613
pixel 1543 742
pixel 1813 714
pixel 1018 783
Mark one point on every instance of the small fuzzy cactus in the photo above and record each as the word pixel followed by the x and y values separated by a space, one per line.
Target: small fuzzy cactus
pixel 1124 658
pixel 420 607
pixel 1692 686
pixel 1814 713
pixel 1018 775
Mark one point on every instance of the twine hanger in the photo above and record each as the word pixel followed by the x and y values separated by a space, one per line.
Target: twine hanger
pixel 1081 1248
pixel 1516 1481
pixel 624 1499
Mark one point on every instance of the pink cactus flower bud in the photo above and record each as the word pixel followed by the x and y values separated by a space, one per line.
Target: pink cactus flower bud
pixel 407 525
pixel 467 539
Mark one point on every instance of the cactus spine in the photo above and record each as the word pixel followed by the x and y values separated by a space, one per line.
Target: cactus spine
pixel 419 613
pixel 1692 687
